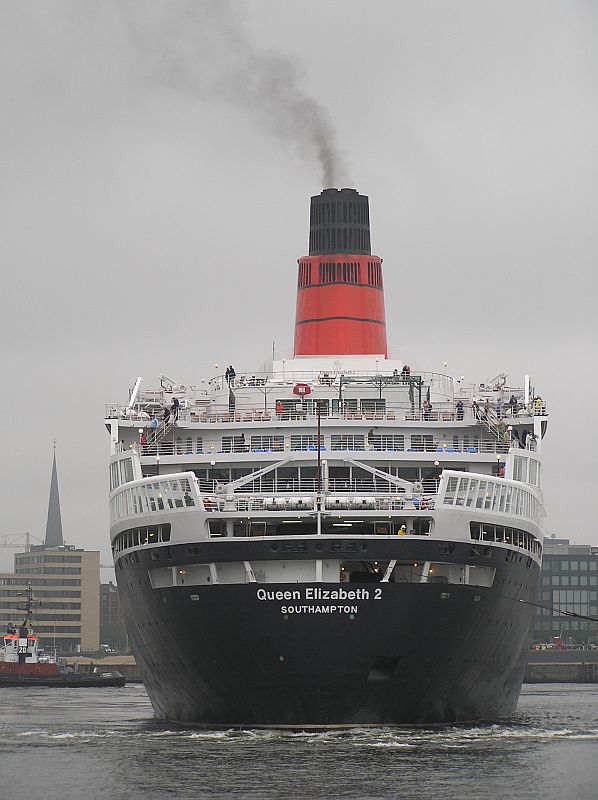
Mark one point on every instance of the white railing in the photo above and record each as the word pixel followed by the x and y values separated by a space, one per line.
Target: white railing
pixel 175 448
pixel 496 495
pixel 218 414
pixel 154 494
pixel 459 490
pixel 309 504
pixel 267 485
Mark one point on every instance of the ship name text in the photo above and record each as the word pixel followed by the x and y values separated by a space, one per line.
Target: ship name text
pixel 316 593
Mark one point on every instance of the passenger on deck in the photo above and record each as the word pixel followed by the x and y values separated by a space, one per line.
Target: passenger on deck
pixel 459 409
pixel 427 407
pixel 538 405
pixel 174 409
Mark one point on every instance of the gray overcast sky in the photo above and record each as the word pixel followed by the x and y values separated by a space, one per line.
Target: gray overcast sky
pixel 156 163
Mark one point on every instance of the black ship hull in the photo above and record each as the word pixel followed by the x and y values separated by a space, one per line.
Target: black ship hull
pixel 307 655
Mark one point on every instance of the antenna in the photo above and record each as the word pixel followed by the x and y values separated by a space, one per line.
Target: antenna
pixel 28 605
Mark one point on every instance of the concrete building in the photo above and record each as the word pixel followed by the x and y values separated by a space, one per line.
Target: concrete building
pixel 569 583
pixel 65 579
pixel 111 612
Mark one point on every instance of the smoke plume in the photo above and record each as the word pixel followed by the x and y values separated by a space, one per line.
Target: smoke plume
pixel 201 47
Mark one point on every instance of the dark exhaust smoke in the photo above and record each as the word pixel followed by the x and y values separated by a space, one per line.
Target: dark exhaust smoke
pixel 201 47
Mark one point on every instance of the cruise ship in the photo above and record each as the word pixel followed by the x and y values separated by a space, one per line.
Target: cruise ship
pixel 334 539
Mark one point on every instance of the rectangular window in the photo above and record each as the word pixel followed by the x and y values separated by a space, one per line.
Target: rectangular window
pixel 373 406
pixel 422 443
pixel 387 441
pixel 267 443
pixel 303 442
pixel 347 442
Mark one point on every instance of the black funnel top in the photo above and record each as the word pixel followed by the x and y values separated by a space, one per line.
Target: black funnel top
pixel 339 222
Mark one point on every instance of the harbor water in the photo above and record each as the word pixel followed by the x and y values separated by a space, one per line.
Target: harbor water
pixel 64 744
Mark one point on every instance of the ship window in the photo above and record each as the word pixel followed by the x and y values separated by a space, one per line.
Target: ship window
pixel 421 442
pixel 126 470
pixel 303 442
pixel 114 481
pixel 347 442
pixel 373 405
pixel 267 443
pixel 387 441
pixel 217 527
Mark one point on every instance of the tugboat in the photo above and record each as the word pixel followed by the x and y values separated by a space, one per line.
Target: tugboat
pixel 22 663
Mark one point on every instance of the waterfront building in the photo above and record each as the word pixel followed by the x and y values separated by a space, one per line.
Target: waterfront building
pixel 111 612
pixel 569 583
pixel 66 581
pixel 113 631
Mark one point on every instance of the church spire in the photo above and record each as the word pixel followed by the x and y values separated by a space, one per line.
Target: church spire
pixel 54 521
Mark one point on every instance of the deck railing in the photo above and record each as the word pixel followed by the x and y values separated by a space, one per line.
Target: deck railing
pixel 397 412
pixel 184 448
pixel 184 491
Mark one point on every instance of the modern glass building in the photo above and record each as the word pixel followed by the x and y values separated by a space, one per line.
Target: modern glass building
pixel 569 583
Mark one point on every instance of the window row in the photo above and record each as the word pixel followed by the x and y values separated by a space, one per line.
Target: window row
pixel 41 582
pixel 147 534
pixel 571 566
pixel 147 497
pixel 38 594
pixel 492 495
pixel 570 580
pixel 573 596
pixel 46 605
pixel 48 571
pixel 419 443
pixel 483 532
pixel 559 625
pixel 48 559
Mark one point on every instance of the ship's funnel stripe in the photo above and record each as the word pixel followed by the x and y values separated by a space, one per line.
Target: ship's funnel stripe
pixel 341 283
pixel 353 319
